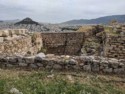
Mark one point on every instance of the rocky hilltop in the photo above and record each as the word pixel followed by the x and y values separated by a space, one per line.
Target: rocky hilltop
pixel 27 21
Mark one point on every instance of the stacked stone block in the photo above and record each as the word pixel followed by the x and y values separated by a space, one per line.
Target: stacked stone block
pixel 36 42
pixel 54 42
pixel 74 43
pixel 63 43
pixel 11 32
pixel 119 29
pixel 19 41
pixel 115 46
pixel 20 45
pixel 63 63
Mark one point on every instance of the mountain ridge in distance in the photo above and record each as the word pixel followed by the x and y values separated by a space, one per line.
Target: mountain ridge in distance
pixel 10 21
pixel 100 20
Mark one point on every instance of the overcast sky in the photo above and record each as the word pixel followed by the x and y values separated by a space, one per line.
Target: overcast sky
pixel 59 10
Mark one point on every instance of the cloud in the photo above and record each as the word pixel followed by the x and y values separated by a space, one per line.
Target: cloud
pixel 60 10
pixel 13 12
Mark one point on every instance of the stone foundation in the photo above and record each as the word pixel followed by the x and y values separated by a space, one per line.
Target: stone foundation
pixel 63 63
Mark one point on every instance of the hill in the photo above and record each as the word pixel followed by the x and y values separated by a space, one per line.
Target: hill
pixel 27 21
pixel 1 21
pixel 101 20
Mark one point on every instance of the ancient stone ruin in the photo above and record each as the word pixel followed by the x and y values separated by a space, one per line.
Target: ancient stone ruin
pixel 22 49
pixel 19 41
pixel 64 43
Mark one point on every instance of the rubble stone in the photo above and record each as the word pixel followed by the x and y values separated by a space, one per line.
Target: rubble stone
pixel 75 63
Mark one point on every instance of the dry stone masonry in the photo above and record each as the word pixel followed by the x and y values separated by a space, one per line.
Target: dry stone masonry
pixel 20 41
pixel 22 49
pixel 13 42
pixel 69 43
pixel 65 63
pixel 115 46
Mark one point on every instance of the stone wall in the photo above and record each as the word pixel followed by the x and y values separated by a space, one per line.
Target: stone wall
pixel 115 46
pixel 63 63
pixel 69 43
pixel 20 45
pixel 37 43
pixel 66 43
pixel 11 32
pixel 19 42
